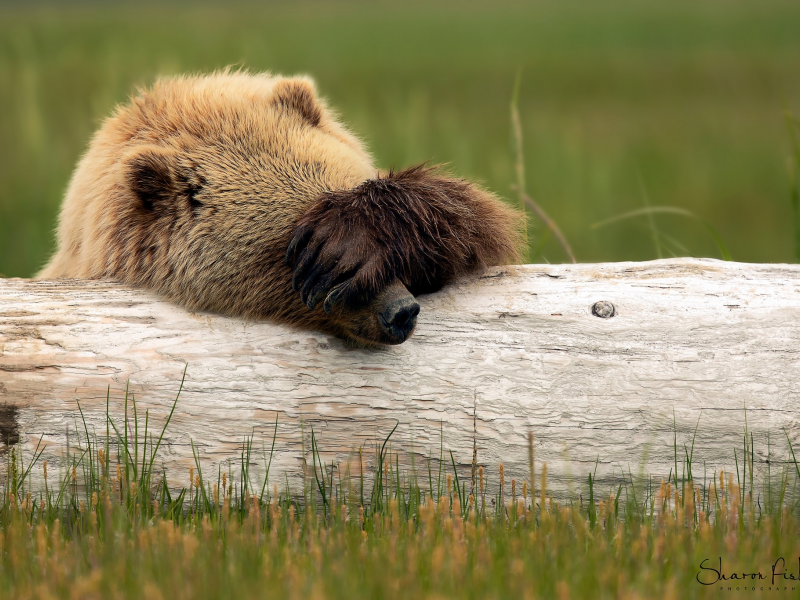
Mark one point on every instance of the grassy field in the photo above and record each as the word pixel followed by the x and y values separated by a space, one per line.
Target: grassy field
pixel 623 104
pixel 106 525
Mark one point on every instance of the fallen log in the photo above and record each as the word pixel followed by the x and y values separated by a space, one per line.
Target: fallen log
pixel 610 366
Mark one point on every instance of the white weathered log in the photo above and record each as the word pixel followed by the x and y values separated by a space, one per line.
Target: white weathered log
pixel 692 340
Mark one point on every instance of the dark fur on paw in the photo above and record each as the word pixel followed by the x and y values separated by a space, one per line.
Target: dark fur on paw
pixel 417 225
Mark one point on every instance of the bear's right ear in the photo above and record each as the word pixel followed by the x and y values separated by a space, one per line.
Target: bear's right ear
pixel 150 172
pixel 298 95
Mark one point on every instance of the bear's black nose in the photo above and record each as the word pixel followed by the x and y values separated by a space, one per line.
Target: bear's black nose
pixel 400 317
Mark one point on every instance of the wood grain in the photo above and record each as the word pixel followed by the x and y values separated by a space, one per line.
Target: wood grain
pixel 690 341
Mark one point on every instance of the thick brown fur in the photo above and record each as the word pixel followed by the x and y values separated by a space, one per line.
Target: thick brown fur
pixel 418 226
pixel 197 188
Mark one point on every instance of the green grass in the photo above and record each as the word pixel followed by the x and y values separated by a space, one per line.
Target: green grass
pixel 109 525
pixel 622 104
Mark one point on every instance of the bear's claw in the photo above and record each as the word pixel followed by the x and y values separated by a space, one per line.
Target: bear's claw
pixel 334 297
pixel 300 237
pixel 319 283
pixel 330 262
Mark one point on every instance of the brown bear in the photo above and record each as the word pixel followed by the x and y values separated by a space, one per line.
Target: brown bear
pixel 242 194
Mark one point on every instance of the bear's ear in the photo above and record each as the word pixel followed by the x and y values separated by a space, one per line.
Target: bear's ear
pixel 298 95
pixel 150 173
pixel 156 175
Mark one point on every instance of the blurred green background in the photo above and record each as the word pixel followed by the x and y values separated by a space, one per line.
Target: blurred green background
pixel 623 104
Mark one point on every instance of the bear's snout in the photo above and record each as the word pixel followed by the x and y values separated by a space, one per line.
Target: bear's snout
pixel 400 318
pixel 397 312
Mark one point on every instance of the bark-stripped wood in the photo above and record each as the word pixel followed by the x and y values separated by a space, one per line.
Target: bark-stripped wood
pixel 689 340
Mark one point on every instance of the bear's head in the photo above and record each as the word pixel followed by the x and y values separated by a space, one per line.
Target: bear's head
pixel 241 194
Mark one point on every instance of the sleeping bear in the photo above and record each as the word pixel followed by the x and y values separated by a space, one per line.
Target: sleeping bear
pixel 241 194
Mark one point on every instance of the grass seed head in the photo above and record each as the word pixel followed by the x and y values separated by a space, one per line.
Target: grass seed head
pixel 543 484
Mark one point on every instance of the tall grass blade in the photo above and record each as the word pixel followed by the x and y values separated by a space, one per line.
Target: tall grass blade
pixel 269 464
pixel 671 210
pixel 169 418
pixel 792 127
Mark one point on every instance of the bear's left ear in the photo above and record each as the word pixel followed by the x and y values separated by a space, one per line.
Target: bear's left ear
pixel 158 177
pixel 298 95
